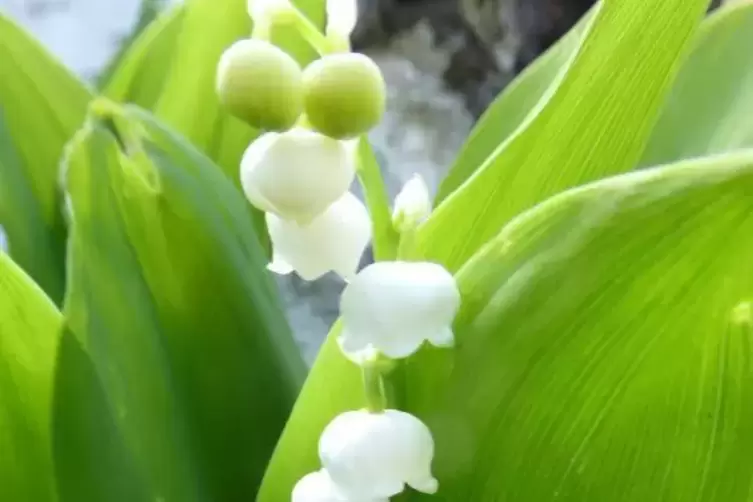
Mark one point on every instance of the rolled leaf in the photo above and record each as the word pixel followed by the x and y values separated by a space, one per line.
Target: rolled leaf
pixel 29 330
pixel 170 299
pixel 41 106
pixel 171 69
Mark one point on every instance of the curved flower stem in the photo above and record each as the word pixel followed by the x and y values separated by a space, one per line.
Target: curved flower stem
pixel 385 237
pixel 373 383
pixel 309 31
pixel 407 242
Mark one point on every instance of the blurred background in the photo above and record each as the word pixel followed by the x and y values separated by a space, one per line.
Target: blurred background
pixel 444 62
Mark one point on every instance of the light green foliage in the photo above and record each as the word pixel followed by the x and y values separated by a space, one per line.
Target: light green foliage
pixel 149 11
pixel 139 75
pixel 41 106
pixel 710 108
pixel 29 327
pixel 707 111
pixel 604 341
pixel 625 68
pixel 513 107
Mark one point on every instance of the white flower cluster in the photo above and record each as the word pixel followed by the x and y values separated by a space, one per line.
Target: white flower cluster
pixel 301 178
pixel 389 309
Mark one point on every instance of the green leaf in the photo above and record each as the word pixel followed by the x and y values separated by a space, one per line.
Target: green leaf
pixel 710 109
pixel 29 327
pixel 41 106
pixel 89 449
pixel 149 11
pixel 603 352
pixel 141 78
pixel 170 298
pixel 515 106
pixel 35 246
pixel 595 123
pixel 605 340
pixel 139 75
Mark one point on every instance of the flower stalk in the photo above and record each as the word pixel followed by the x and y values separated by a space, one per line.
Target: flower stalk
pixel 374 388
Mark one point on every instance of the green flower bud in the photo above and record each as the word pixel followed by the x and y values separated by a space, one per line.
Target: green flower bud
pixel 261 84
pixel 344 95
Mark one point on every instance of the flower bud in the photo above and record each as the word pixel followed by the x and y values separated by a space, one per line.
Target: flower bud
pixel 376 454
pixel 261 84
pixel 344 94
pixel 394 306
pixel 297 174
pixel 334 241
pixel 319 487
pixel 412 204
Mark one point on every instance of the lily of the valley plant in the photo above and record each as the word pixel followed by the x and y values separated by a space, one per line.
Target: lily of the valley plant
pixel 300 174
pixel 568 319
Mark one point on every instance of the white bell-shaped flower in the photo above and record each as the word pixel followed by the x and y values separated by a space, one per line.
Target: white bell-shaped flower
pixel 394 306
pixel 376 454
pixel 296 174
pixel 334 241
pixel 412 205
pixel 263 11
pixel 319 487
pixel 342 16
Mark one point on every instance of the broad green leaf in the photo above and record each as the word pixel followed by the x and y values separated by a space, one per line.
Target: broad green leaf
pixel 29 328
pixel 605 347
pixel 170 298
pixel 595 123
pixel 710 109
pixel 514 106
pixel 140 73
pixel 41 106
pixel 603 352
